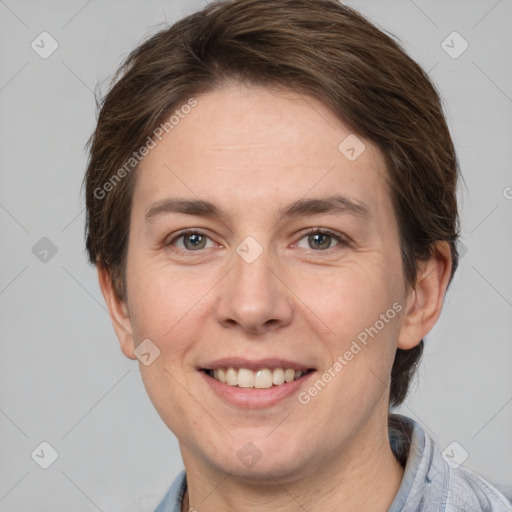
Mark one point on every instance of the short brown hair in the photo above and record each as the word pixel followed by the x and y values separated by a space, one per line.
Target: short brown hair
pixel 316 47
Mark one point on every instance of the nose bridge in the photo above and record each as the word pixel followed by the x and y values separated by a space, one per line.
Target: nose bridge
pixel 253 297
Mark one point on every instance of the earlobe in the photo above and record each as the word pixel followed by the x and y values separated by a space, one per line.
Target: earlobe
pixel 425 302
pixel 118 311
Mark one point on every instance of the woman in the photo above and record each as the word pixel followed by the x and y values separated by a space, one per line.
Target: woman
pixel 271 200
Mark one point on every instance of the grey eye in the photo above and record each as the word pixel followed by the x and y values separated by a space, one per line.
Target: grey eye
pixel 194 241
pixel 191 241
pixel 320 240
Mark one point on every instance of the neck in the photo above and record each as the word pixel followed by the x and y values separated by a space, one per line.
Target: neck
pixel 364 477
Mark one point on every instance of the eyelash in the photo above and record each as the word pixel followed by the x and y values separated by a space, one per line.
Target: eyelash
pixel 342 241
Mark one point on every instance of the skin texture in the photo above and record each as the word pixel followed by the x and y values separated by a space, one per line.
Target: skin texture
pixel 252 151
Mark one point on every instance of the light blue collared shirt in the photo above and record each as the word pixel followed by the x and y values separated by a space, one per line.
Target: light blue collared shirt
pixel 429 483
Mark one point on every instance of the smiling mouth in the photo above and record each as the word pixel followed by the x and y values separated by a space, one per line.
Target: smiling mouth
pixel 260 379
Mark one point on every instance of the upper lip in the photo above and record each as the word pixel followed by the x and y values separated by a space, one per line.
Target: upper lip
pixel 254 364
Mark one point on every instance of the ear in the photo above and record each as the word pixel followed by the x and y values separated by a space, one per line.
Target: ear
pixel 118 312
pixel 425 301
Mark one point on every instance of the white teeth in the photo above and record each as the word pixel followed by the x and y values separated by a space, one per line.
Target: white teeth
pixel 289 375
pixel 261 379
pixel 231 377
pixel 278 376
pixel 222 374
pixel 245 378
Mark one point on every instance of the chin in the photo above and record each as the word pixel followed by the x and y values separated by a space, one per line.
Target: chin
pixel 260 461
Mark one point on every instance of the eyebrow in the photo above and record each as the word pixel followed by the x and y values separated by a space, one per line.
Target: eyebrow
pixel 337 204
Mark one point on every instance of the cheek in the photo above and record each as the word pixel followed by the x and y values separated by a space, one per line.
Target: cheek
pixel 155 297
pixel 165 309
pixel 351 298
pixel 167 306
pixel 361 307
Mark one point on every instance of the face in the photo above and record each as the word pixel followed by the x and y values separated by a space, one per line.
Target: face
pixel 290 260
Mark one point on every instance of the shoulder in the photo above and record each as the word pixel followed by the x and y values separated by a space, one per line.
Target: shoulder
pixel 467 488
pixel 433 483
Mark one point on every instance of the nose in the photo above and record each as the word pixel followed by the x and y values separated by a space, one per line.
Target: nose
pixel 253 298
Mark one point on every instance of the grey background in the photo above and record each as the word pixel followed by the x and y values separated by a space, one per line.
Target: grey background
pixel 63 377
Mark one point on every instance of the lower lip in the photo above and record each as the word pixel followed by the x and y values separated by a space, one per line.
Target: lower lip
pixel 254 398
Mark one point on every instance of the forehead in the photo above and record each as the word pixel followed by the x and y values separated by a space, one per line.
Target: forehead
pixel 248 147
